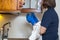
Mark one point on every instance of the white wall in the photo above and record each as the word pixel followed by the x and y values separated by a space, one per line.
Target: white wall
pixel 26 4
pixel 30 4
pixel 20 28
pixel 58 11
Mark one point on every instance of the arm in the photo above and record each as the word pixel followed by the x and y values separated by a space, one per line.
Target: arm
pixel 46 21
pixel 42 30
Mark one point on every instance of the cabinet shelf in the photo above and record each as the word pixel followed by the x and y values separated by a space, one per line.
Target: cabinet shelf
pixel 23 10
pixel 14 12
pixel 26 10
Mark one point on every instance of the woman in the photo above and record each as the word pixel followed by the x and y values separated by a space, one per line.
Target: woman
pixel 49 23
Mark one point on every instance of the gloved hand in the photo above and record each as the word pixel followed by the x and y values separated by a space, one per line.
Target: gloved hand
pixel 34 17
pixel 31 18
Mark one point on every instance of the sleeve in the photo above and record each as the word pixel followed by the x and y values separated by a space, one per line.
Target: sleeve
pixel 46 20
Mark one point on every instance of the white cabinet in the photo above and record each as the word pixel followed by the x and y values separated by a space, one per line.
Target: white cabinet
pixel 31 4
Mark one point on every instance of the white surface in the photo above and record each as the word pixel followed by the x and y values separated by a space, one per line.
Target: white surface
pixel 26 4
pixel 58 12
pixel 5 39
pixel 19 28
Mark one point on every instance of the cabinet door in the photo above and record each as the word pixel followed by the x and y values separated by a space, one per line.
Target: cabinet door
pixel 8 5
pixel 11 5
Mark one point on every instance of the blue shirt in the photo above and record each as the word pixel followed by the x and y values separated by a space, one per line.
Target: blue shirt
pixel 50 21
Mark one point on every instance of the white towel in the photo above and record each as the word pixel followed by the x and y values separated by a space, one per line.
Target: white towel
pixel 35 32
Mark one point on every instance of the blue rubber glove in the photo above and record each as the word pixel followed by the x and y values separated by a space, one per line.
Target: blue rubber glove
pixel 31 18
pixel 34 17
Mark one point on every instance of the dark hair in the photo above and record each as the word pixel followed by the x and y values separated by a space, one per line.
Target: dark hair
pixel 49 3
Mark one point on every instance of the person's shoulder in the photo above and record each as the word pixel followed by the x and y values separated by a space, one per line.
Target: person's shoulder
pixel 47 12
pixel 50 11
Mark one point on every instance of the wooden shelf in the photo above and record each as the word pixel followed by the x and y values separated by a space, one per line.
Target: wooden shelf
pixel 26 10
pixel 23 10
pixel 10 12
